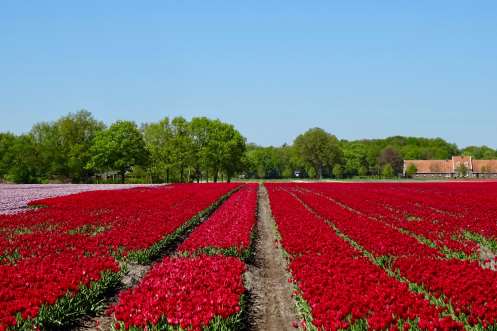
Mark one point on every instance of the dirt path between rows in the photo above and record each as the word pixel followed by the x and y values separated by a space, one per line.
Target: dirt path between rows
pixel 272 306
pixel 102 321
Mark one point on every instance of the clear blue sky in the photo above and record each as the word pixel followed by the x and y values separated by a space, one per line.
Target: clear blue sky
pixel 359 69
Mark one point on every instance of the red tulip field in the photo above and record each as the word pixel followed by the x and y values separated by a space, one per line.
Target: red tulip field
pixel 354 256
pixel 389 256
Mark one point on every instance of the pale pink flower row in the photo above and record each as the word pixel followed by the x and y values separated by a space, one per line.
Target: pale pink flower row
pixel 15 197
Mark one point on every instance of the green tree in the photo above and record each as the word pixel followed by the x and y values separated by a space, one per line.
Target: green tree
pixel 390 155
pixel 480 152
pixel 158 139
pixel 198 148
pixel 318 149
pixel 181 145
pixel 291 161
pixel 46 140
pixel 338 171
pixel 75 134
pixel 25 162
pixel 268 162
pixel 411 170
pixel 462 170
pixel 355 155
pixel 234 148
pixel 118 148
pixel 387 171
pixel 7 155
pixel 363 171
pixel 224 150
pixel 63 145
pixel 201 133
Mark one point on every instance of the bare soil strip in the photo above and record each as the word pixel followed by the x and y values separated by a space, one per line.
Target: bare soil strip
pixel 487 258
pixel 103 322
pixel 271 304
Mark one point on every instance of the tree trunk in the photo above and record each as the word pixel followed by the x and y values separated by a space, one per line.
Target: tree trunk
pixel 167 175
pixel 215 176
pixel 319 173
pixel 181 174
pixel 123 176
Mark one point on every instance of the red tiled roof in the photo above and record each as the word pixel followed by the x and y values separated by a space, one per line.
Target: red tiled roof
pixel 485 166
pixel 450 166
pixel 431 166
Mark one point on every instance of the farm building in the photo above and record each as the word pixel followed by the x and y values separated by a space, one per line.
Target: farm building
pixel 458 166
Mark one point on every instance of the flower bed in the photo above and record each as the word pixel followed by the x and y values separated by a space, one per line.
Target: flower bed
pixel 187 293
pixel 65 248
pixel 440 212
pixel 342 287
pixel 229 229
pixel 463 285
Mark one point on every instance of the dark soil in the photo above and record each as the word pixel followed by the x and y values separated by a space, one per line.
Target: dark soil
pixel 270 295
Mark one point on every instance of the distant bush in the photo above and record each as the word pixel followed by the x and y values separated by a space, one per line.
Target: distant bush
pixel 411 170
pixel 387 171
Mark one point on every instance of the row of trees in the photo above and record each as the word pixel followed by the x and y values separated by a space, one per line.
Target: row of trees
pixel 201 148
pixel 59 149
pixel 317 153
pixel 79 148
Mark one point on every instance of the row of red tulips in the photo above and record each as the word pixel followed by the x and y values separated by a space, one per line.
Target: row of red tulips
pixel 69 244
pixel 470 289
pixel 186 292
pixel 342 287
pixel 229 228
pixel 439 212
pixel 387 241
pixel 200 291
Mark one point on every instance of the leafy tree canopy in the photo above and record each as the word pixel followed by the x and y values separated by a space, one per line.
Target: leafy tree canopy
pixel 118 148
pixel 318 149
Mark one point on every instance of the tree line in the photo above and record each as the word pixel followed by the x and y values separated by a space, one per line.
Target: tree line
pixel 308 156
pixel 78 148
